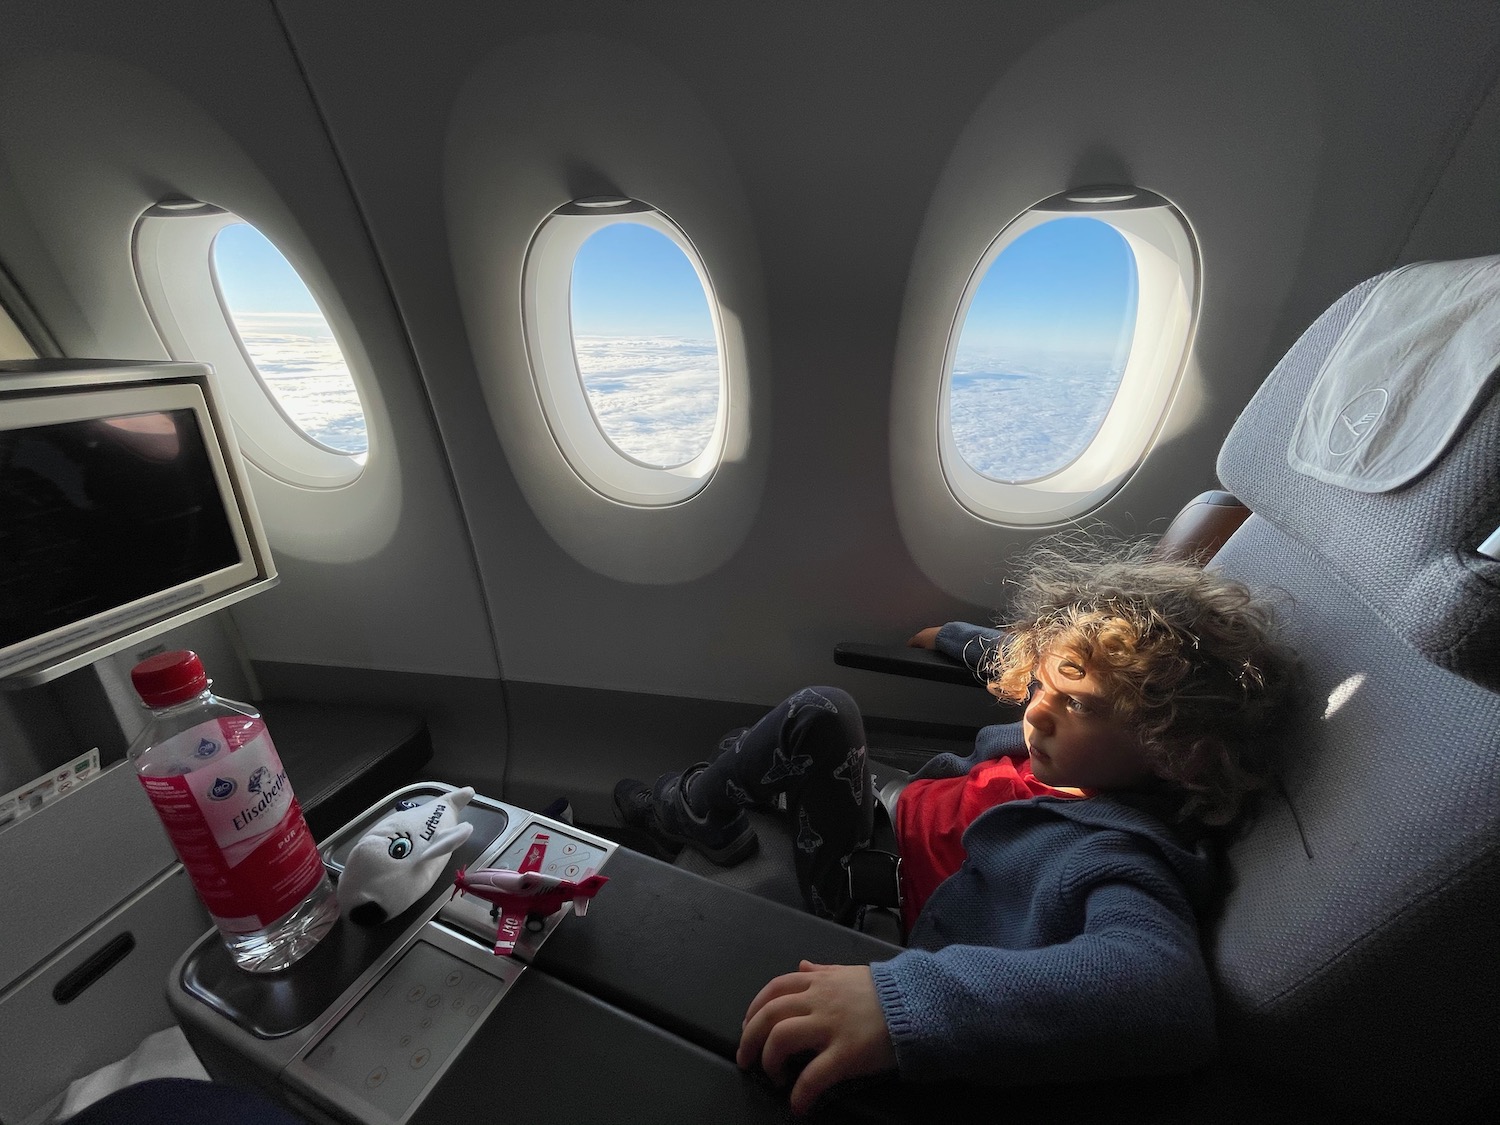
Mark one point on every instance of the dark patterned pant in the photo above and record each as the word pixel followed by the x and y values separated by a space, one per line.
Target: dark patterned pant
pixel 811 747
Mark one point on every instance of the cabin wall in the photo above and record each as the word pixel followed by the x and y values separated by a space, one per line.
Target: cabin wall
pixel 1461 218
pixel 841 122
pixel 109 113
pixel 843 165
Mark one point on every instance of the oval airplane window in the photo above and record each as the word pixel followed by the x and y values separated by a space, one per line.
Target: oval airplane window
pixel 622 330
pixel 288 340
pixel 1042 349
pixel 1067 347
pixel 238 304
pixel 645 346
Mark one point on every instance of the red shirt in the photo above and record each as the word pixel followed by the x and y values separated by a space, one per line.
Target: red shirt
pixel 932 814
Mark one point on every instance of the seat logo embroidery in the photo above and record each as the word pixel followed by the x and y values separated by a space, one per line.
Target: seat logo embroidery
pixel 1356 421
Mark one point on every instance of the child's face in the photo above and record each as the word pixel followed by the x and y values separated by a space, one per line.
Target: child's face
pixel 1073 735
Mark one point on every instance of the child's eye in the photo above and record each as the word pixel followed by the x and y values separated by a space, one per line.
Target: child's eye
pixel 1077 706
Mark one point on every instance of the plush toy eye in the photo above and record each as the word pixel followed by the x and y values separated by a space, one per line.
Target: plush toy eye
pixel 400 846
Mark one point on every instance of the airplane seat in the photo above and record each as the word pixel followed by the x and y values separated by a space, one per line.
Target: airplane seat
pixel 1355 951
pixel 1203 525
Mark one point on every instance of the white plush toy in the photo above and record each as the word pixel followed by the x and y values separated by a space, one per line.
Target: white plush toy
pixel 393 864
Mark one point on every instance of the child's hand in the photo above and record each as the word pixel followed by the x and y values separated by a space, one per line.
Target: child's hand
pixel 829 1010
pixel 927 638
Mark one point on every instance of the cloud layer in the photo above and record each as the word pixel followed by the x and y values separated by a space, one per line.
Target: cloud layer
pixel 1018 421
pixel 656 397
pixel 307 374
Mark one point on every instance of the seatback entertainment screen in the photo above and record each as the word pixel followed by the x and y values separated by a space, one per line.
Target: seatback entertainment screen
pixel 99 513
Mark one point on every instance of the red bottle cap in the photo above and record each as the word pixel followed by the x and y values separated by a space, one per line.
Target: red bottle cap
pixel 168 678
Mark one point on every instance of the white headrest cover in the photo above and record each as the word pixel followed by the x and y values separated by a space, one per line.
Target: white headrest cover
pixel 1402 378
pixel 1376 443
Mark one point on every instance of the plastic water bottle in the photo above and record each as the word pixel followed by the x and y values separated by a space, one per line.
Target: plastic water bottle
pixel 211 770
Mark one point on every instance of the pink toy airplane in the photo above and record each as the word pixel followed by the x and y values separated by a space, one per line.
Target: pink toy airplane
pixel 525 896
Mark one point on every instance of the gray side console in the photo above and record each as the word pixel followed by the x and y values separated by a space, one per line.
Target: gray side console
pixel 630 1013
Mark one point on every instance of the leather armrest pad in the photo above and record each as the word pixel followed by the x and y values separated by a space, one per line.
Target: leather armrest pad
pixel 689 954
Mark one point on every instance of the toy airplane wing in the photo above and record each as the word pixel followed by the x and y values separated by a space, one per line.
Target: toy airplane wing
pixel 584 892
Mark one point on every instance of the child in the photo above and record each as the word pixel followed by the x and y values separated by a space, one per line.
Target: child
pixel 1053 876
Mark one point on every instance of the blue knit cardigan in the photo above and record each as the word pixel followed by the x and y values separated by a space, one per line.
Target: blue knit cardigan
pixel 1065 948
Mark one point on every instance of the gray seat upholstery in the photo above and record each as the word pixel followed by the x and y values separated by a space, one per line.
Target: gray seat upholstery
pixel 1357 950
pixel 1359 946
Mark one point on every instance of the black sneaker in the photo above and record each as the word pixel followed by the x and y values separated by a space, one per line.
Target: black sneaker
pixel 665 816
pixel 633 810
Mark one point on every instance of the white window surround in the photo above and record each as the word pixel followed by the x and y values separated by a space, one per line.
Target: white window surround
pixel 1167 272
pixel 174 264
pixel 13 343
pixel 546 290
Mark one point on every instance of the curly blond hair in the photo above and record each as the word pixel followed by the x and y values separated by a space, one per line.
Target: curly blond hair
pixel 1187 657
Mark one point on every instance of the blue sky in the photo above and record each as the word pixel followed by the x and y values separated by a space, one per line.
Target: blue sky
pixel 1066 287
pixel 258 281
pixel 630 280
pixel 1037 364
pixel 1041 352
pixel 288 339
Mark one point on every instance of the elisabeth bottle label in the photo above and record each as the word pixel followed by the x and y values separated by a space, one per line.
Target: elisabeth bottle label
pixel 228 817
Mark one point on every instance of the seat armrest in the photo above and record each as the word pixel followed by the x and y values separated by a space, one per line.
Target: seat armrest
pixel 900 660
pixel 1202 526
